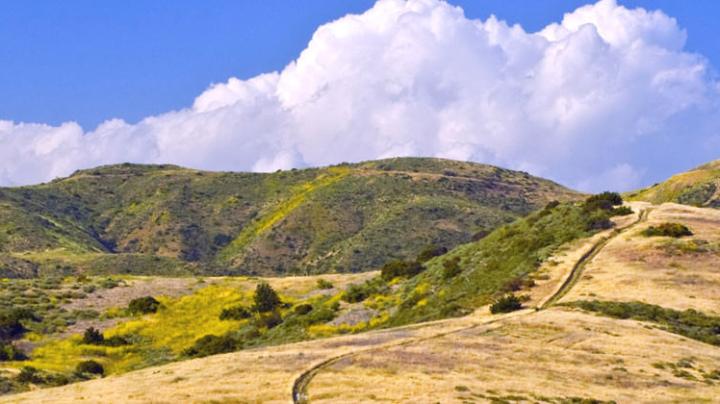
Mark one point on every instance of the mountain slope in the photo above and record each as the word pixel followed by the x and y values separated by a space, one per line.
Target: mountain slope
pixel 169 220
pixel 698 187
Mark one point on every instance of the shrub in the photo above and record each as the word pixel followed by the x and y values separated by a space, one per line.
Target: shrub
pixel 8 352
pixel 29 374
pixel 143 305
pixel 667 230
pixel 268 319
pixel 323 284
pixel 11 322
pixel 430 252
pixel 90 367
pixel 506 304
pixel 604 201
pixel 266 299
pixel 93 336
pixel 211 345
pixel 451 268
pixel 394 269
pixel 235 313
pixel 355 294
pixel 303 309
pixel 621 211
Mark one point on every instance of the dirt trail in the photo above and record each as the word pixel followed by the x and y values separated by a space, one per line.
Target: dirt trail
pixel 302 382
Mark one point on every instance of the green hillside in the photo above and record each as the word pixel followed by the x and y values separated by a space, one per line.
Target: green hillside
pixel 697 187
pixel 170 220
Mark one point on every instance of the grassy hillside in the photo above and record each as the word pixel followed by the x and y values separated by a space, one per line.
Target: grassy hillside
pixel 698 187
pixel 139 219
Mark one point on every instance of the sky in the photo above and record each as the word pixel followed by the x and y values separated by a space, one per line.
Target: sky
pixel 593 95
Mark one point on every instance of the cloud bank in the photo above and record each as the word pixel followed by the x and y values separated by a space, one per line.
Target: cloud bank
pixel 605 99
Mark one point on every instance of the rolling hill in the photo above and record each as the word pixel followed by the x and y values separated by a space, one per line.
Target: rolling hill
pixel 168 220
pixel 698 187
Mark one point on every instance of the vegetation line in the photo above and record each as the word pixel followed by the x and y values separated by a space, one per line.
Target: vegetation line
pixel 577 269
pixel 301 383
pixel 279 212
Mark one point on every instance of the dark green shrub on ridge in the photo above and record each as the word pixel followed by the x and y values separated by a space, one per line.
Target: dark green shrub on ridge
pixel 143 305
pixel 235 313
pixel 90 367
pixel 676 230
pixel 430 252
pixel 506 304
pixel 394 269
pixel 303 309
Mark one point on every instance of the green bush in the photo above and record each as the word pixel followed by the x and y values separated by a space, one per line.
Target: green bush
pixel 689 323
pixel 506 304
pixel 323 284
pixel 621 211
pixel 8 352
pixel 212 345
pixel 11 322
pixel 266 299
pixel 394 269
pixel 430 252
pixel 93 336
pixel 29 374
pixel 235 313
pixel 303 309
pixel 451 268
pixel 675 230
pixel 604 201
pixel 270 319
pixel 355 293
pixel 90 367
pixel 143 305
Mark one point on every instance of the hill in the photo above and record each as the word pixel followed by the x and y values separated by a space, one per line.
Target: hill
pixel 625 316
pixel 168 220
pixel 697 187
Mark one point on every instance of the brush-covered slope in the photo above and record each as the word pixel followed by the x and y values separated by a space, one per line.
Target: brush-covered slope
pixel 347 218
pixel 698 187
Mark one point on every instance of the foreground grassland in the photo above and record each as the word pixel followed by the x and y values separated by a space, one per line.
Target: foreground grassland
pixel 556 355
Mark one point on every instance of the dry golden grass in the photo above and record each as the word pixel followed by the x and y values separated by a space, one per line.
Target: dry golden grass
pixel 553 354
pixel 633 267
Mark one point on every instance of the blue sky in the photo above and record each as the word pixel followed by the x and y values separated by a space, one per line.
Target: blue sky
pixel 593 94
pixel 88 61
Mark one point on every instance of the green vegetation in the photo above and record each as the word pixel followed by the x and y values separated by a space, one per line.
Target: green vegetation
pixel 324 284
pixel 143 305
pixel 405 269
pixel 90 367
pixel 167 220
pixel 697 187
pixel 675 230
pixel 476 274
pixel 689 323
pixel 506 304
pixel 238 312
pixel 266 299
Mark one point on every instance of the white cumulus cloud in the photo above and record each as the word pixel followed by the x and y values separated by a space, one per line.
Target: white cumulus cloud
pixel 605 98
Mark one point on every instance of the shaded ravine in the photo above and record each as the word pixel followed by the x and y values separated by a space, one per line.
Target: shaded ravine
pixel 302 382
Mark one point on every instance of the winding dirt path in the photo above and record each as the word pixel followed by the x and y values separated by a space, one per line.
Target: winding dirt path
pixel 302 382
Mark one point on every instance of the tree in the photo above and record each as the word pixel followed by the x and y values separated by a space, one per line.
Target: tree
pixel 266 299
pixel 93 336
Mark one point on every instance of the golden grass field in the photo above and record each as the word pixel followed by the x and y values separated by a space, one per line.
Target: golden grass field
pixel 531 355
